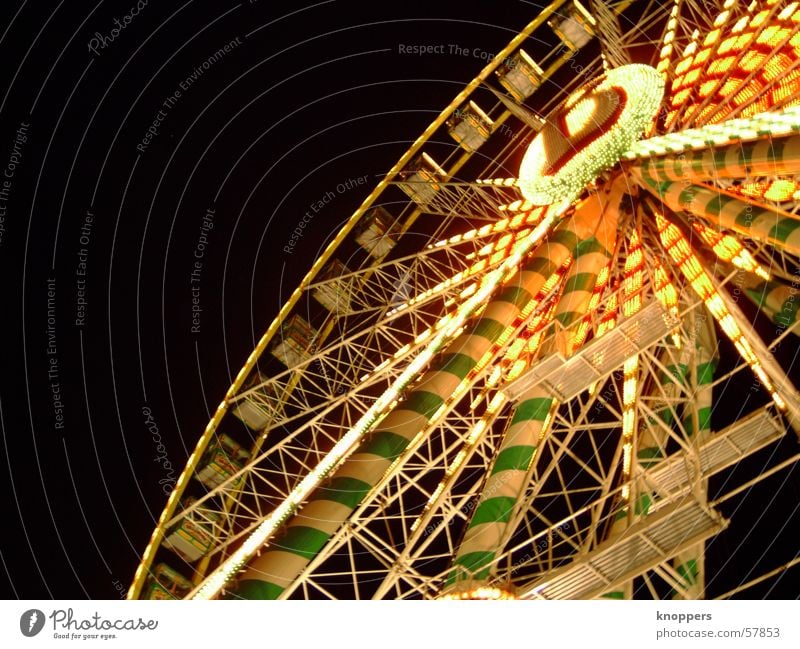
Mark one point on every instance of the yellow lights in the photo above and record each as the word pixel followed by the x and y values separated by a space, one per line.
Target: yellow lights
pixel 497 182
pixel 610 114
pixel 468 291
pixel 691 48
pixel 773 36
pixel 515 349
pixel 680 97
pixel 702 56
pixel 486 229
pixel 497 252
pixel 633 276
pixel 630 382
pixel 775 124
pixel 581 115
pixel 480 593
pixel 684 65
pixel 585 325
pixel 706 88
pixel 497 257
pixel 739 25
pixel 776 67
pixel 519 219
pixel 665 290
pixel 746 65
pixel 722 18
pixel 516 206
pixel 529 217
pixel 663 63
pixel 788 11
pixel 712 37
pixel 516 370
pixel 497 402
pixel 630 386
pixel 610 315
pixel 691 77
pixel 505 336
pixel 759 18
pixel 786 88
pixel 730 249
pixel 725 46
pixel 678 249
pixel 779 190
pixel 719 67
pixel 494 376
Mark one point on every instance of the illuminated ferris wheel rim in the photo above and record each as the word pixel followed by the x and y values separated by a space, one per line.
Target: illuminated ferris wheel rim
pixel 308 280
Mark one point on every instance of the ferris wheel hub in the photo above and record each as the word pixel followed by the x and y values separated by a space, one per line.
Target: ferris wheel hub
pixel 589 132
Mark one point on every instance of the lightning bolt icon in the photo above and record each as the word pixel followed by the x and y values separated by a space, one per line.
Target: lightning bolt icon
pixel 32 620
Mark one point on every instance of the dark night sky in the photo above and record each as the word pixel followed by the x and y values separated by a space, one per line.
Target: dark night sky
pixel 103 221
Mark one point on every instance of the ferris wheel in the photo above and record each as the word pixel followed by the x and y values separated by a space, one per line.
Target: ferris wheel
pixel 520 400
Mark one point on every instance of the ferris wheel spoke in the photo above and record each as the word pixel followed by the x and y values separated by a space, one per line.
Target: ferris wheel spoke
pixel 510 467
pixel 383 506
pixel 777 156
pixel 743 217
pixel 468 201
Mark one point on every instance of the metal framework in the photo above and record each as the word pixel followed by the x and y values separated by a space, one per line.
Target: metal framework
pixel 564 452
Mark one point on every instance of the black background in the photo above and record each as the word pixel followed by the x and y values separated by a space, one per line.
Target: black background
pixel 312 96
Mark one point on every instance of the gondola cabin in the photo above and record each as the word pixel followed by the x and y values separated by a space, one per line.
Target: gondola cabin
pixel 334 290
pixel 378 232
pixel 222 459
pixel 294 342
pixel 421 179
pixel 166 583
pixel 520 75
pixel 470 127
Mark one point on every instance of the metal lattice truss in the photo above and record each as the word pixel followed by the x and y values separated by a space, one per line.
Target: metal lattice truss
pixel 566 511
pixel 469 201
